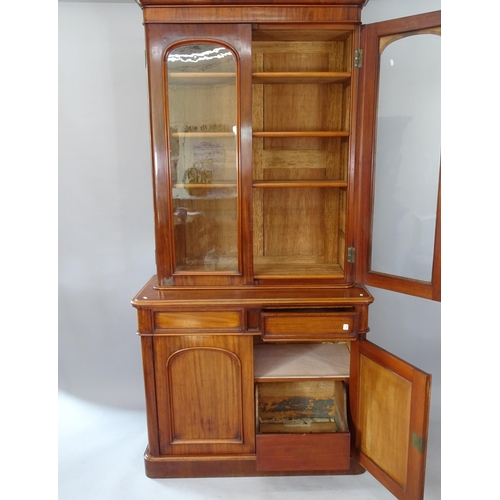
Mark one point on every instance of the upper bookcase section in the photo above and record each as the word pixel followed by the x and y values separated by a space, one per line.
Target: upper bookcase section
pixel 239 11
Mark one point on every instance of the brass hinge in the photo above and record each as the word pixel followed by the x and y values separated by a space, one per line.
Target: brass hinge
pixel 358 58
pixel 418 442
pixel 351 254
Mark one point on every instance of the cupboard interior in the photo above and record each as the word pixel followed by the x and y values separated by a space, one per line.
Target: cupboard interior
pixel 301 108
pixel 300 387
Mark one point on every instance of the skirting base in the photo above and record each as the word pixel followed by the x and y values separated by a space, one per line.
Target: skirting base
pixel 158 467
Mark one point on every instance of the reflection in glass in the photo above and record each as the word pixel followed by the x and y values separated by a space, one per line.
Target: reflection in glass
pixel 202 104
pixel 407 157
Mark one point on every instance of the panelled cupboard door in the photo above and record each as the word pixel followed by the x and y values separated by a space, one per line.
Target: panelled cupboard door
pixel 391 418
pixel 398 155
pixel 204 391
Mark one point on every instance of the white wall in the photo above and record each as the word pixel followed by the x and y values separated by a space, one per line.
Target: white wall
pixel 382 10
pixel 106 243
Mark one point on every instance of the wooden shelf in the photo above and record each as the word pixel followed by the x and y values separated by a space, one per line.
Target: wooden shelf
pixel 289 362
pixel 223 265
pixel 300 184
pixel 204 134
pixel 301 77
pixel 201 78
pixel 318 133
pixel 296 267
pixel 206 186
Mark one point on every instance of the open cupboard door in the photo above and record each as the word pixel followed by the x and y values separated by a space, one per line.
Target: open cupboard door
pixel 398 240
pixel 390 411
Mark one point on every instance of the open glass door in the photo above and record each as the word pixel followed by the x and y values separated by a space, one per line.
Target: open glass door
pixel 390 402
pixel 398 240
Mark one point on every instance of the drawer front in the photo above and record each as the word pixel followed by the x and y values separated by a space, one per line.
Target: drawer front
pixel 308 325
pixel 199 320
pixel 307 452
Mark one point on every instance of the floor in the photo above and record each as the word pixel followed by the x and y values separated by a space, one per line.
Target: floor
pixel 100 458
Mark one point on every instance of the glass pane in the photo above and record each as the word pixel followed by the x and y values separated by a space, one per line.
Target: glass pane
pixel 407 158
pixel 202 104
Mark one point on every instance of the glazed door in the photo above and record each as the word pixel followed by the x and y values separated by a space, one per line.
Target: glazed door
pixel 204 391
pixel 390 409
pixel 200 88
pixel 398 240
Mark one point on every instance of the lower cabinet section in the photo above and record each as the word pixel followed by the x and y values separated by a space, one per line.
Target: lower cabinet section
pixel 261 389
pixel 225 406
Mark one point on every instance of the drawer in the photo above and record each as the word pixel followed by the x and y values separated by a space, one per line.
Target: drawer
pixel 308 324
pixel 302 425
pixel 307 452
pixel 199 320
